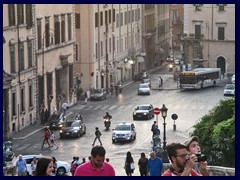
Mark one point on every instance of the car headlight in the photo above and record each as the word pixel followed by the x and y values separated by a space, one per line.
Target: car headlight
pixel 60 131
pixel 145 113
pixel 60 125
pixel 134 113
pixel 75 131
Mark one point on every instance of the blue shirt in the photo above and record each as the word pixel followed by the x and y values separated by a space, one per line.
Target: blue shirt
pixel 155 166
pixel 21 165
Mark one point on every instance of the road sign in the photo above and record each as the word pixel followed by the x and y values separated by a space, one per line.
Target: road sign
pixel 156 111
pixel 174 116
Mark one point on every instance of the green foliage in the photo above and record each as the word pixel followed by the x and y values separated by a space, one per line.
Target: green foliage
pixel 216 132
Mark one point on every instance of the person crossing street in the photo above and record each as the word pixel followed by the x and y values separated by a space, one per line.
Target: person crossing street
pixel 97 136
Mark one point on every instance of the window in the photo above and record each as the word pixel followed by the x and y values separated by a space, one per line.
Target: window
pixel 117 20
pixel 101 48
pixel 76 46
pixel 29 45
pixel 70 26
pixel 221 33
pixel 12 59
pixel 11 14
pixel 101 18
pixel 132 16
pixel 30 95
pixel 39 33
pixel 106 17
pixel 14 104
pixel 29 15
pixel 113 43
pixel 113 15
pixel 56 29
pixel 96 20
pixel 198 7
pixel 149 6
pixel 63 27
pixel 47 32
pixel 22 99
pixel 121 20
pixel 20 13
pixel 221 7
pixel 96 50
pixel 110 45
pixel 21 55
pixel 197 31
pixel 125 18
pixel 109 15
pixel 77 23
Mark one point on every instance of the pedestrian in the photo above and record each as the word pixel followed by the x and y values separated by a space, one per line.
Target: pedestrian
pixel 107 160
pixel 96 166
pixel 160 80
pixel 46 138
pixel 44 166
pixel 77 162
pixel 21 166
pixel 97 136
pixel 83 160
pixel 129 164
pixel 74 158
pixel 65 106
pixel 53 140
pixel 33 166
pixel 182 163
pixel 54 171
pixel 116 89
pixel 142 164
pixel 155 165
pixel 153 128
pixel 89 158
pixel 42 115
pixel 86 97
pixel 47 115
pixel 192 145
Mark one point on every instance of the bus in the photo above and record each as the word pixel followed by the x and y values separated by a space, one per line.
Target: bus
pixel 199 78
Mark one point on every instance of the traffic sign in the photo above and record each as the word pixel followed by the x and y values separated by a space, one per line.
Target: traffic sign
pixel 174 116
pixel 156 111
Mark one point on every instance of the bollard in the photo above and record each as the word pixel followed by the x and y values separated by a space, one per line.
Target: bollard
pixel 174 127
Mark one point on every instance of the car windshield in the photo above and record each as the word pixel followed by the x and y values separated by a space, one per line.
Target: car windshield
pixel 146 80
pixel 143 86
pixel 142 107
pixel 97 91
pixel 230 86
pixel 72 124
pixel 122 128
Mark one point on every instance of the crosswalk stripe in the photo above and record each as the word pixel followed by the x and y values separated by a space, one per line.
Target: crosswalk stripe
pixel 97 107
pixel 105 107
pixel 121 107
pixel 24 146
pixel 88 107
pixel 114 106
pixel 81 107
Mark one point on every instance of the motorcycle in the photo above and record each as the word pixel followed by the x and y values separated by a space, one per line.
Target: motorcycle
pixel 170 67
pixel 120 88
pixel 107 122
pixel 78 117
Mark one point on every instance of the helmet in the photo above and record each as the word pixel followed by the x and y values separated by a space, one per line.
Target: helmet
pixel 107 113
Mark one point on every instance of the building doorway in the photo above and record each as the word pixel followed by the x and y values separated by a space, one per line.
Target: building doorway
pixel 221 63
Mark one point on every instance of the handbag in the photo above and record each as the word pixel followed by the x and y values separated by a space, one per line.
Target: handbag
pixel 132 166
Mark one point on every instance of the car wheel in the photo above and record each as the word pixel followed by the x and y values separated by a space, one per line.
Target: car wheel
pixel 61 171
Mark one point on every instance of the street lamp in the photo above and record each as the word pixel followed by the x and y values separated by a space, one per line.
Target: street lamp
pixel 164 115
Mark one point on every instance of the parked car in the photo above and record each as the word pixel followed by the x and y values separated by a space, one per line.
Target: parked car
pixel 144 89
pixel 62 166
pixel 98 94
pixel 147 81
pixel 229 90
pixel 73 128
pixel 145 111
pixel 124 132
pixel 8 154
pixel 233 79
pixel 143 75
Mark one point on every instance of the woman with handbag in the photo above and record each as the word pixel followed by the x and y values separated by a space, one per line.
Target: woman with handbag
pixel 129 164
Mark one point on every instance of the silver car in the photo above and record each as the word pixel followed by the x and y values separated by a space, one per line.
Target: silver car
pixel 144 89
pixel 124 132
pixel 229 90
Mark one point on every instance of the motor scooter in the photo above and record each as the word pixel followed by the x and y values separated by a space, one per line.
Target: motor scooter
pixel 120 88
pixel 170 67
pixel 107 123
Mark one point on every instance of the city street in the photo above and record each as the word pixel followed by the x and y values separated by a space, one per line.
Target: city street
pixel 189 105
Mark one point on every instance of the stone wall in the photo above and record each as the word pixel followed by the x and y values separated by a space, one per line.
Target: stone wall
pixel 220 171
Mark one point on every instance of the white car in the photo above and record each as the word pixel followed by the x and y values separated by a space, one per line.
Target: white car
pixel 233 79
pixel 124 132
pixel 144 89
pixel 62 166
pixel 229 90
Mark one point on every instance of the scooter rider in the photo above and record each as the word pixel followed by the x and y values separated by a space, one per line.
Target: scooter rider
pixel 78 116
pixel 107 116
pixel 107 121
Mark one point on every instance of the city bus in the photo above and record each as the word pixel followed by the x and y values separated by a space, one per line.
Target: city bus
pixel 199 78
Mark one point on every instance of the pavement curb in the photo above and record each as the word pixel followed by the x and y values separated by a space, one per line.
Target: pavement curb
pixel 28 134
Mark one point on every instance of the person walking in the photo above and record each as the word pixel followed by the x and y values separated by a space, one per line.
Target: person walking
pixel 33 166
pixel 21 166
pixel 160 80
pixel 53 140
pixel 46 115
pixel 153 128
pixel 86 97
pixel 65 106
pixel 97 136
pixel 129 164
pixel 46 138
pixel 97 165
pixel 143 163
pixel 155 165
pixel 44 166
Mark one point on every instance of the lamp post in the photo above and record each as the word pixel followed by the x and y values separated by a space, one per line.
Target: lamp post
pixel 46 37
pixel 164 115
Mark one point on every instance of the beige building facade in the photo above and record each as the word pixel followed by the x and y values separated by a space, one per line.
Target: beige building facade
pixel 210 35
pixel 39 52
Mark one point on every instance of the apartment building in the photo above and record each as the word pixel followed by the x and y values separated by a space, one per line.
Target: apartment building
pixel 209 36
pixel 38 57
